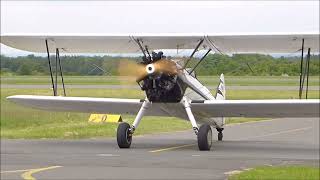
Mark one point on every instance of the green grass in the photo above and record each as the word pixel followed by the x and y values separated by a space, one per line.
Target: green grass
pixel 89 80
pixel 268 94
pixel 73 126
pixel 21 122
pixel 242 120
pixel 207 80
pixel 259 80
pixel 279 173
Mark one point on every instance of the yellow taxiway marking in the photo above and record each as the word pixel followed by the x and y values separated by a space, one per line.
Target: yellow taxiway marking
pixel 266 135
pixel 281 132
pixel 15 171
pixel 28 174
pixel 172 148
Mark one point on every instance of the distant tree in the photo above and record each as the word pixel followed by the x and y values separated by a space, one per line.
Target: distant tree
pixel 213 64
pixel 24 70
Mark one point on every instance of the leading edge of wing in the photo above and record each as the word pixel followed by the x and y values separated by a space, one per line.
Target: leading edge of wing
pixel 78 104
pixel 141 35
pixel 98 105
pixel 84 104
pixel 258 108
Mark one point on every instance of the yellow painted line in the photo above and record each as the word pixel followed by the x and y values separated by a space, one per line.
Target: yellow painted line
pixel 236 171
pixel 171 148
pixel 251 122
pixel 232 172
pixel 282 132
pixel 271 134
pixel 15 171
pixel 28 175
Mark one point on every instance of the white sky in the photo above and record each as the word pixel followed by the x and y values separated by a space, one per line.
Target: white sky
pixel 132 17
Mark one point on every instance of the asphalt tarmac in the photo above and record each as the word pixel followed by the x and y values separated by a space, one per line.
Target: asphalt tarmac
pixel 166 155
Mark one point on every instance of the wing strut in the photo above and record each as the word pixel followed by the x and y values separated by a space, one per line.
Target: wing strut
pixel 61 73
pixel 301 64
pixel 308 63
pixel 49 63
pixel 192 54
pixel 57 63
pixel 304 71
pixel 199 61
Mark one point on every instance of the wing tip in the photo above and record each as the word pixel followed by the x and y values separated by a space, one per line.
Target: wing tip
pixel 17 97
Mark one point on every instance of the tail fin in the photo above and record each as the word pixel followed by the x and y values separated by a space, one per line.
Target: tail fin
pixel 221 90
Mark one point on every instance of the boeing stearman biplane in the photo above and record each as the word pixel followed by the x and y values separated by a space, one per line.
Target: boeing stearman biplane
pixel 171 88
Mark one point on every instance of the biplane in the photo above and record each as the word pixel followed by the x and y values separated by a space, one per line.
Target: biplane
pixel 170 85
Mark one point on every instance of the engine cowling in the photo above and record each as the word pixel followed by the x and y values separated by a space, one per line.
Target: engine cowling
pixel 160 81
pixel 163 88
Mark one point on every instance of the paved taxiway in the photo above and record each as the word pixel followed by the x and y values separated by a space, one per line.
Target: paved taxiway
pixel 166 155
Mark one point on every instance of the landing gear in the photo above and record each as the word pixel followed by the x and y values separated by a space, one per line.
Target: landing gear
pixel 204 134
pixel 125 132
pixel 220 134
pixel 190 115
pixel 124 135
pixel 205 137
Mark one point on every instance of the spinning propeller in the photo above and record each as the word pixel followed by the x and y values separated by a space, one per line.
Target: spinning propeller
pixel 140 71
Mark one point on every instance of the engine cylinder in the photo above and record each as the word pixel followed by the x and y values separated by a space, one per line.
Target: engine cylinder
pixel 163 88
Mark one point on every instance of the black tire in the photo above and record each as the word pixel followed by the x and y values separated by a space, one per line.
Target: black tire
pixel 205 137
pixel 220 136
pixel 124 137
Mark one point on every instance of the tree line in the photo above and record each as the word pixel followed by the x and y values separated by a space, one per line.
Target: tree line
pixel 213 64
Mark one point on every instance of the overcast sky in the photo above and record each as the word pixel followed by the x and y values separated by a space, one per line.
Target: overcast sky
pixel 131 17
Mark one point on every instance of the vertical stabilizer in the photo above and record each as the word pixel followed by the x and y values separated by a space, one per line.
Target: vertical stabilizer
pixel 221 89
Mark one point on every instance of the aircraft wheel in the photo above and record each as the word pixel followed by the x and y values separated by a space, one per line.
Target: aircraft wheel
pixel 124 136
pixel 205 137
pixel 220 136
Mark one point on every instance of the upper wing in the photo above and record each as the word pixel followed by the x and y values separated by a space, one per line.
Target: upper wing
pixel 230 43
pixel 86 104
pixel 256 108
pixel 271 43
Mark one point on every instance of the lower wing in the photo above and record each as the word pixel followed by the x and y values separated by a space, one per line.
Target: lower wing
pixel 84 104
pixel 201 109
pixel 257 108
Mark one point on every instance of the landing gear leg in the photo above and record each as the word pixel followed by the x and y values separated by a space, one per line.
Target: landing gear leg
pixel 190 116
pixel 204 134
pixel 124 132
pixel 220 134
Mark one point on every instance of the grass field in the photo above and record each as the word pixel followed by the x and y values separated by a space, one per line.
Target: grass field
pixel 279 173
pixel 21 122
pixel 207 80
